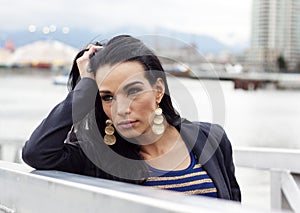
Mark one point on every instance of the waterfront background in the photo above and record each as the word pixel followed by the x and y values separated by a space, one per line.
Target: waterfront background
pixel 239 41
pixel 261 118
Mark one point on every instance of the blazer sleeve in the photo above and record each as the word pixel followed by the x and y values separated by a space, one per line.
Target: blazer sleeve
pixel 226 148
pixel 221 148
pixel 46 147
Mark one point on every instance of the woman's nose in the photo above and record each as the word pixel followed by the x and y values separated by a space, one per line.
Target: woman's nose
pixel 122 106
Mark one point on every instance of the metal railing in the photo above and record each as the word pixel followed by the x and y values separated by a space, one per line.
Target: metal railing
pixel 26 190
pixel 284 166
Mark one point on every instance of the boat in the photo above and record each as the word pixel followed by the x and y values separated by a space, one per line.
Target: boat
pixel 61 79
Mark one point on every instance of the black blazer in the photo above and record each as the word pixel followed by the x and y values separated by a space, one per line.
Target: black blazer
pixel 211 146
pixel 47 147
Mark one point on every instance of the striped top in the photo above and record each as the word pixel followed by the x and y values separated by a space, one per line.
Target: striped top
pixel 193 180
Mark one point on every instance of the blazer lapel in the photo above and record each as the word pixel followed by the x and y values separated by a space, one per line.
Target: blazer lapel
pixel 206 150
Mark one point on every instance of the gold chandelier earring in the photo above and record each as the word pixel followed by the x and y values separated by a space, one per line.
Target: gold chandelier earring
pixel 158 122
pixel 109 138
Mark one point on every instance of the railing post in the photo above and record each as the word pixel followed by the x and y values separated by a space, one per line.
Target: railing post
pixel 10 151
pixel 290 191
pixel 276 193
pixel 17 155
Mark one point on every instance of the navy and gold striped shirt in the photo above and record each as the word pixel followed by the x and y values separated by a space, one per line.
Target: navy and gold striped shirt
pixel 193 180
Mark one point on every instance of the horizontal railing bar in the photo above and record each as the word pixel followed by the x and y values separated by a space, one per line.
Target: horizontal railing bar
pixel 53 191
pixel 268 158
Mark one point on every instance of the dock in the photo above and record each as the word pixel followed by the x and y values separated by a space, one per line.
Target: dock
pixel 251 80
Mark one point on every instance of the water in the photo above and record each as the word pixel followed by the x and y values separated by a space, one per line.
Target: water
pixel 263 118
pixel 25 100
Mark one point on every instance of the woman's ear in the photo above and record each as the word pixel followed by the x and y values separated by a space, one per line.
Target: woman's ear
pixel 160 89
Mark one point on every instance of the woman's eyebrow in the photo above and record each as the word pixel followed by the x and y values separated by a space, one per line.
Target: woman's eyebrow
pixel 105 91
pixel 131 84
pixel 124 88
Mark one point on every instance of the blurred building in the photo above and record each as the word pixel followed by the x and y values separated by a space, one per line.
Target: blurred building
pixel 275 33
pixel 6 52
pixel 43 54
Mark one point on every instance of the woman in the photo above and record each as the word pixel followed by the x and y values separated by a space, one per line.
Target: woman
pixel 118 122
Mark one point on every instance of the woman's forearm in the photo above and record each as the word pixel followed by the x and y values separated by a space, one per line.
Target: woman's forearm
pixel 45 148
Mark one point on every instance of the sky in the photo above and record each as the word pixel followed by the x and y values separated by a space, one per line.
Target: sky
pixel 229 21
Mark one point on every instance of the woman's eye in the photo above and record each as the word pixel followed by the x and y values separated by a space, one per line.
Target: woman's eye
pixel 133 91
pixel 107 98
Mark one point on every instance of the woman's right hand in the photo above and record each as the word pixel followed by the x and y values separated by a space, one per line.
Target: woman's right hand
pixel 83 62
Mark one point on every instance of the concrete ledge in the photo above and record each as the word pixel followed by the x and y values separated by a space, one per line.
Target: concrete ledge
pixel 26 190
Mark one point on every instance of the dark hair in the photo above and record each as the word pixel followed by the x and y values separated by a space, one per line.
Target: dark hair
pixel 74 75
pixel 119 49
pixel 125 48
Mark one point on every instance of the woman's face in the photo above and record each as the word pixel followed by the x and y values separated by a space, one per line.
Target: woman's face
pixel 128 98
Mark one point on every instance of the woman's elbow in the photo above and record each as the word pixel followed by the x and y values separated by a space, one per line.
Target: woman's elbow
pixel 31 156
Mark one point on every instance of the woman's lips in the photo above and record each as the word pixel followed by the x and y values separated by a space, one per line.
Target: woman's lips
pixel 127 124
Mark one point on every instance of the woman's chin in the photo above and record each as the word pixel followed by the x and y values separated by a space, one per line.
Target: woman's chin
pixel 130 134
pixel 138 136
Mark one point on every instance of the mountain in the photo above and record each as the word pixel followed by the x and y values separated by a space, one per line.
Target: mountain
pixel 77 38
pixel 159 37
